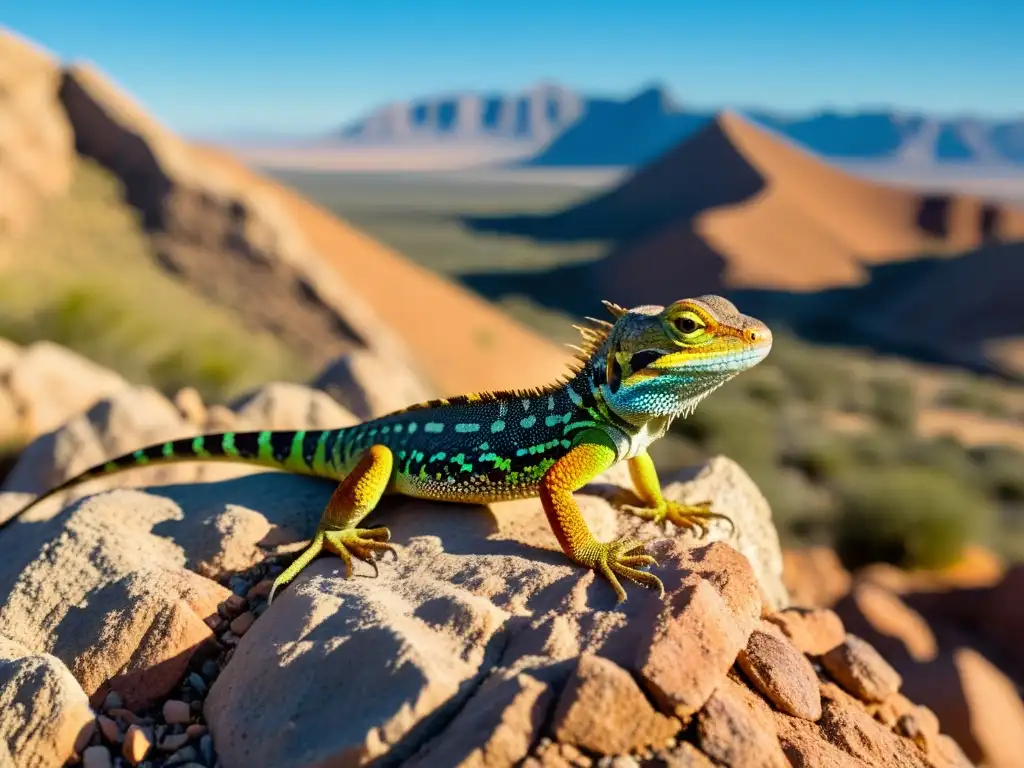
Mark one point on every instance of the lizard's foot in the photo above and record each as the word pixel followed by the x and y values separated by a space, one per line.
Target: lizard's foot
pixel 623 557
pixel 689 516
pixel 346 543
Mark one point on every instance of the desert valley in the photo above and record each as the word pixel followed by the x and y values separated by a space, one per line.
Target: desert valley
pixel 157 286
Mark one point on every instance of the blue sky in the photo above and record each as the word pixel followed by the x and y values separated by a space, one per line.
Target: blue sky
pixel 223 65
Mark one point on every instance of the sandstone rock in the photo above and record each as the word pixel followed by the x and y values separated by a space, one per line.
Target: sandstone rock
pixel 36 145
pixel 848 726
pixel 877 610
pixel 282 405
pixel 737 732
pixel 686 756
pixel 814 631
pixel 725 483
pixel 781 672
pixel 48 384
pixel 804 746
pixel 191 407
pixel 145 612
pixel 602 709
pixel 861 670
pixel 814 576
pixel 43 710
pixel 495 728
pixel 137 744
pixel 705 623
pixel 368 386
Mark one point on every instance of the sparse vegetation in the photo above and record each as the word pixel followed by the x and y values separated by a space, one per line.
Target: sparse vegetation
pixel 84 277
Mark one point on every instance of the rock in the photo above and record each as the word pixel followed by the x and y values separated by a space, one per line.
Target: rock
pixel 724 482
pixel 137 744
pixel 496 727
pixel 814 576
pixel 97 757
pixel 738 731
pixel 45 717
pixel 36 144
pixel 686 756
pixel 369 387
pixel 814 631
pixel 109 729
pixel 861 670
pixel 176 712
pixel 190 407
pixel 241 623
pixel 705 623
pixel 145 611
pixel 602 709
pixel 49 384
pixel 897 629
pixel 849 727
pixel 781 672
pixel 290 406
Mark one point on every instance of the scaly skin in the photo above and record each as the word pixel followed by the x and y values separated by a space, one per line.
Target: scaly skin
pixel 632 379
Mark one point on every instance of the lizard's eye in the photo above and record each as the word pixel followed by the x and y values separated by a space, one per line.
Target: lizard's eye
pixel 688 324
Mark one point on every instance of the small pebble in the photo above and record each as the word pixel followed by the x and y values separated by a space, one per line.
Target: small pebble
pixel 217 624
pixel 195 730
pixel 241 623
pixel 232 606
pixel 183 755
pixel 84 738
pixel 261 591
pixel 137 744
pixel 229 638
pixel 126 716
pixel 196 706
pixel 173 742
pixel 113 701
pixel 206 747
pixel 97 757
pixel 109 729
pixel 210 669
pixel 176 711
pixel 198 684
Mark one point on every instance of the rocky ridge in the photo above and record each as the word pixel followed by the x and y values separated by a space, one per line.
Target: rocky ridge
pixel 233 244
pixel 137 620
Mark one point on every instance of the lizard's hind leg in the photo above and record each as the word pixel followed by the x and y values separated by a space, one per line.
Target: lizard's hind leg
pixel 354 498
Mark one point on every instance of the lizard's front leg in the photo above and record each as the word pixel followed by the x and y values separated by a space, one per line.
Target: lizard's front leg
pixel 658 508
pixel 592 455
pixel 354 498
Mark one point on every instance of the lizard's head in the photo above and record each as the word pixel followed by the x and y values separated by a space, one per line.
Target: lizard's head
pixel 662 361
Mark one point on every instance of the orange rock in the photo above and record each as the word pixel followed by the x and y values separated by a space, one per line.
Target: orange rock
pixel 813 631
pixel 602 709
pixel 861 670
pixel 137 743
pixel 737 734
pixel 781 672
pixel 702 627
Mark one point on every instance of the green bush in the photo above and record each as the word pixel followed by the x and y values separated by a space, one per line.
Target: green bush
pixel 908 516
pixel 974 397
pixel 733 426
pixel 893 402
pixel 1000 470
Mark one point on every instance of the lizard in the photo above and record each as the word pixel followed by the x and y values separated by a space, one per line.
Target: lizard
pixel 628 381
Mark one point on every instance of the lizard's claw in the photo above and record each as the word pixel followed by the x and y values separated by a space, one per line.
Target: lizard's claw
pixel 689 516
pixel 347 543
pixel 623 557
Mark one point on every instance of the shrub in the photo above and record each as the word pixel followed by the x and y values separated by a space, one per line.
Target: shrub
pixel 1000 470
pixel 893 402
pixel 908 516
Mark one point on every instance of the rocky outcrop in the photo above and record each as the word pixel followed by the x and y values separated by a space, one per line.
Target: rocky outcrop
pixel 36 145
pixel 480 645
pixel 232 243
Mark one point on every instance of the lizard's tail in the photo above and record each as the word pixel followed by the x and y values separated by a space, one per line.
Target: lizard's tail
pixel 307 452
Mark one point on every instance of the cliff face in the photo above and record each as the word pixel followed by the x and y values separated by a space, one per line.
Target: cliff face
pixel 534 115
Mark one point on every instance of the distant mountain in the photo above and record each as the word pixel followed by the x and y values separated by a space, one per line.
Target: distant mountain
pixel 572 129
pixel 736 209
pixel 534 115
